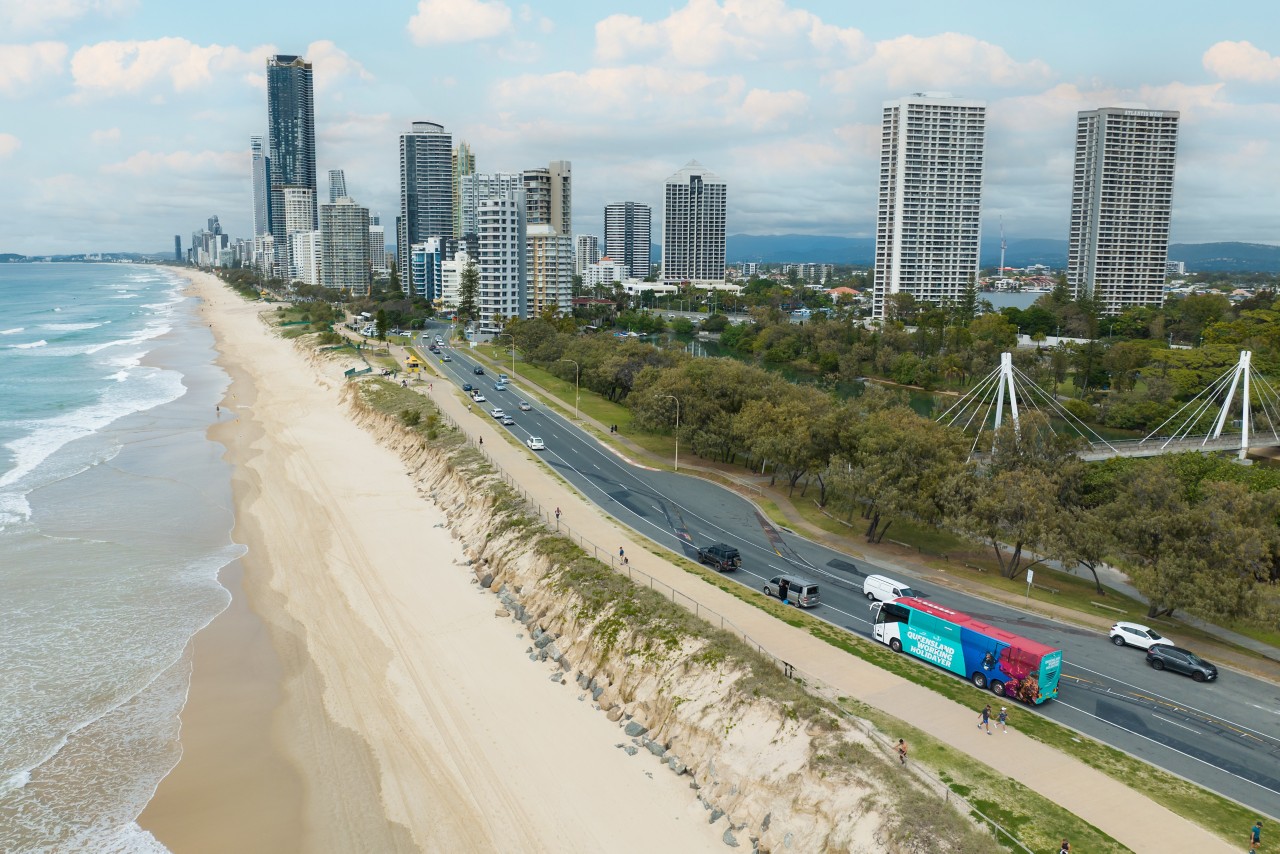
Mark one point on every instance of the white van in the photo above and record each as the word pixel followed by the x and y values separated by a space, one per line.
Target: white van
pixel 880 588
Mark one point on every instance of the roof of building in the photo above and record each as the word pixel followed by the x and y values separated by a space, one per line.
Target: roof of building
pixel 692 168
pixel 842 291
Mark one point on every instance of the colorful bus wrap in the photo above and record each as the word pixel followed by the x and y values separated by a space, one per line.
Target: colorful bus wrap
pixel 1011 666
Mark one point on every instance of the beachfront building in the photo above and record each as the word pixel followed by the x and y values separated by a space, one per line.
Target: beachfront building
pixel 628 236
pixel 549 196
pixel 451 271
pixel 426 190
pixel 377 246
pixel 344 246
pixel 927 220
pixel 503 258
pixel 1121 202
pixel 464 163
pixel 586 252
pixel 304 258
pixel 478 186
pixel 605 274
pixel 259 167
pixel 296 205
pixel 550 267
pixel 337 185
pixel 424 269
pixel 693 245
pixel 291 140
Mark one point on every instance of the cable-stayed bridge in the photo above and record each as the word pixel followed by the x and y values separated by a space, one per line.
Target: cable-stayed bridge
pixel 1237 411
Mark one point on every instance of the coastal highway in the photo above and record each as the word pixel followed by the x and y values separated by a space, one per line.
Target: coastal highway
pixel 1223 736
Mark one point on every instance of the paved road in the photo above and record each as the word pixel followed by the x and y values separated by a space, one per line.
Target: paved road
pixel 1224 736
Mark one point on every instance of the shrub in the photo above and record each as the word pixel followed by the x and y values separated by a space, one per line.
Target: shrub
pixel 410 417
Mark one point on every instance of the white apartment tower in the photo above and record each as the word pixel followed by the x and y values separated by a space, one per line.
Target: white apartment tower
pixel 1121 200
pixel 550 266
pixel 693 243
pixel 344 247
pixel 586 253
pixel 928 220
pixel 451 279
pixel 475 187
pixel 627 236
pixel 297 211
pixel 500 226
pixel 261 186
pixel 549 195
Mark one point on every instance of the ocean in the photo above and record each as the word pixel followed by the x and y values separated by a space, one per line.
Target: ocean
pixel 115 519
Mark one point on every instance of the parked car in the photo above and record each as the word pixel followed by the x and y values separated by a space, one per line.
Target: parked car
pixel 803 593
pixel 1136 634
pixel 478 371
pixel 525 407
pixel 880 588
pixel 535 443
pixel 467 387
pixel 498 413
pixel 1163 656
pixel 720 556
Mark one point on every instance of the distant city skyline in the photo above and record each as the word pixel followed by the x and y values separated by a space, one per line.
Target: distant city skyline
pixel 143 113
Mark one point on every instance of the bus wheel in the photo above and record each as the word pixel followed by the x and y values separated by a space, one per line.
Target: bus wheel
pixel 997 688
pixel 980 680
pixel 895 645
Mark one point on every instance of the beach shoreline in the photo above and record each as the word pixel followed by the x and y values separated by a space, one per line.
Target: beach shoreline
pixel 359 694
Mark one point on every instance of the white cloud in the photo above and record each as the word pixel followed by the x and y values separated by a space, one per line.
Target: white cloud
pixel 131 66
pixel 331 64
pixel 9 144
pixel 446 21
pixel 21 64
pixel 150 163
pixel 705 32
pixel 104 136
pixel 762 108
pixel 1241 61
pixel 20 16
pixel 940 62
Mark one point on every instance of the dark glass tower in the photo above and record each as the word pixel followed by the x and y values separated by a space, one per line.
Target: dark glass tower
pixel 426 190
pixel 291 136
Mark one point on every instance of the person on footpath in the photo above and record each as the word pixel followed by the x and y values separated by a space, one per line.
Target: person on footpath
pixel 1255 836
pixel 1066 847
pixel 902 752
pixel 621 553
pixel 1002 720
pixel 985 720
pixel 557 514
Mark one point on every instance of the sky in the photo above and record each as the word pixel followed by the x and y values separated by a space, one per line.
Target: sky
pixel 124 122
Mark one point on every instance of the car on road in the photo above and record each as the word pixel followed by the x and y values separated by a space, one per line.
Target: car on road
pixel 720 556
pixel 524 406
pixel 1136 634
pixel 478 397
pixel 467 387
pixel 502 378
pixel 801 592
pixel 1163 656
pixel 501 386
pixel 535 443
pixel 478 371
pixel 507 420
pixel 446 358
pixel 880 588
pixel 498 413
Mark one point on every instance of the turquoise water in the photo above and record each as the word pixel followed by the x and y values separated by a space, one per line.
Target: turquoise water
pixel 115 519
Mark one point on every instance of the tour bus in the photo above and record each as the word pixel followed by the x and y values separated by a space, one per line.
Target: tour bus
pixel 1011 666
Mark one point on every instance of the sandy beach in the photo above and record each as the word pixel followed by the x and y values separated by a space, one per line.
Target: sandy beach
pixel 359 693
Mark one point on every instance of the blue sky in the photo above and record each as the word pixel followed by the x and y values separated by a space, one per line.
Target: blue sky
pixel 123 122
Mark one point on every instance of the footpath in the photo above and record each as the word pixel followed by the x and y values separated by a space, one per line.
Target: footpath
pixel 1119 811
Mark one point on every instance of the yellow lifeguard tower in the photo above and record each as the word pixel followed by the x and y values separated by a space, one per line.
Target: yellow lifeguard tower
pixel 412 365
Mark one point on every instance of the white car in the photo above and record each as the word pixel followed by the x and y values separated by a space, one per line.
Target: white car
pixel 524 406
pixel 1136 634
pixel 478 398
pixel 501 386
pixel 535 443
pixel 498 414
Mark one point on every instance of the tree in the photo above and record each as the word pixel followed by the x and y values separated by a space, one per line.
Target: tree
pixel 996 330
pixel 966 308
pixel 395 277
pixel 380 319
pixel 468 293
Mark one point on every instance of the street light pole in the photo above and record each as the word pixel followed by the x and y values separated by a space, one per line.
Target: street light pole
pixel 513 350
pixel 576 371
pixel 677 400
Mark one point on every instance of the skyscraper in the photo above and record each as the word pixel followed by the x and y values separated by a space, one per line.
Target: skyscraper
pixel 344 247
pixel 1121 201
pixel 693 244
pixel 337 185
pixel 479 186
pixel 177 247
pixel 550 270
pixel 261 186
pixel 627 236
pixel 464 163
pixel 549 195
pixel 377 246
pixel 426 190
pixel 503 258
pixel 291 137
pixel 587 252
pixel 927 224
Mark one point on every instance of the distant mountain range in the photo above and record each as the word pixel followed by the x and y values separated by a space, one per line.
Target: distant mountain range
pixel 785 248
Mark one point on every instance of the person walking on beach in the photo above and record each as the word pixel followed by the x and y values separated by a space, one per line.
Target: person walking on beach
pixel 902 752
pixel 783 586
pixel 1002 719
pixel 985 720
pixel 1255 836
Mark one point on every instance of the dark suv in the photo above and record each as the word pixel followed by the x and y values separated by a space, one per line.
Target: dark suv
pixel 1179 660
pixel 720 556
pixel 478 371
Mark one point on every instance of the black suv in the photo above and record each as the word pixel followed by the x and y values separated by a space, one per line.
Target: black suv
pixel 720 556
pixel 1179 660
pixel 478 371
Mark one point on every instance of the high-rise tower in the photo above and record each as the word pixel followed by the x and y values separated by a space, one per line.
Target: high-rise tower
pixel 261 186
pixel 627 236
pixel 693 228
pixel 927 223
pixel 549 195
pixel 426 190
pixel 1121 201
pixel 291 136
pixel 337 185
pixel 464 163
